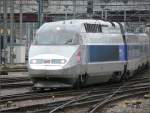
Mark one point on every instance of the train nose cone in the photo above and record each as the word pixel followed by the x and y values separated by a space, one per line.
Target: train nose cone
pixel 51 57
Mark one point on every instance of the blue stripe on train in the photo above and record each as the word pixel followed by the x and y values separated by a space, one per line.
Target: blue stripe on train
pixel 100 53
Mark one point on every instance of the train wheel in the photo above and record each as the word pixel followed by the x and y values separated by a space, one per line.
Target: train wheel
pixel 147 66
pixel 138 70
pixel 77 84
pixel 37 89
pixel 127 75
pixel 81 81
pixel 116 77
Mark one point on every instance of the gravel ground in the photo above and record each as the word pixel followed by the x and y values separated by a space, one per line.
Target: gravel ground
pixel 33 102
pixel 133 105
pixel 125 106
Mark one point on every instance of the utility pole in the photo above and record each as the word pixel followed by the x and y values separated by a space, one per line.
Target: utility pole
pixel 40 12
pixel 11 30
pixel 20 35
pixel 0 33
pixel 66 9
pixel 106 13
pixel 102 12
pixel 4 55
pixel 74 9
pixel 102 15
pixel 125 15
pixel 90 8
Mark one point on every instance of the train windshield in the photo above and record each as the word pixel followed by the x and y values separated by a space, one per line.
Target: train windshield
pixel 56 38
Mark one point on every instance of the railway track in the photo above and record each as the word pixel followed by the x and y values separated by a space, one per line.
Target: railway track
pixel 4 71
pixel 102 99
pixel 86 98
pixel 34 95
pixel 12 68
pixel 118 95
pixel 16 84
pixel 97 97
pixel 13 79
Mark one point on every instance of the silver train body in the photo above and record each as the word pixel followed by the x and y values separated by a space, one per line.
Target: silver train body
pixel 84 52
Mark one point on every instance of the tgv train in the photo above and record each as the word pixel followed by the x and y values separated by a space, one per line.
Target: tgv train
pixel 74 53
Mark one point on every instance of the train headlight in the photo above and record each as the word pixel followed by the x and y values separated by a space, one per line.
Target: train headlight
pixel 58 28
pixel 36 61
pixel 62 61
pixel 58 61
pixel 33 61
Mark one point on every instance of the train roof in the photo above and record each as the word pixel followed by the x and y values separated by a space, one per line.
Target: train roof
pixel 79 21
pixel 74 24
